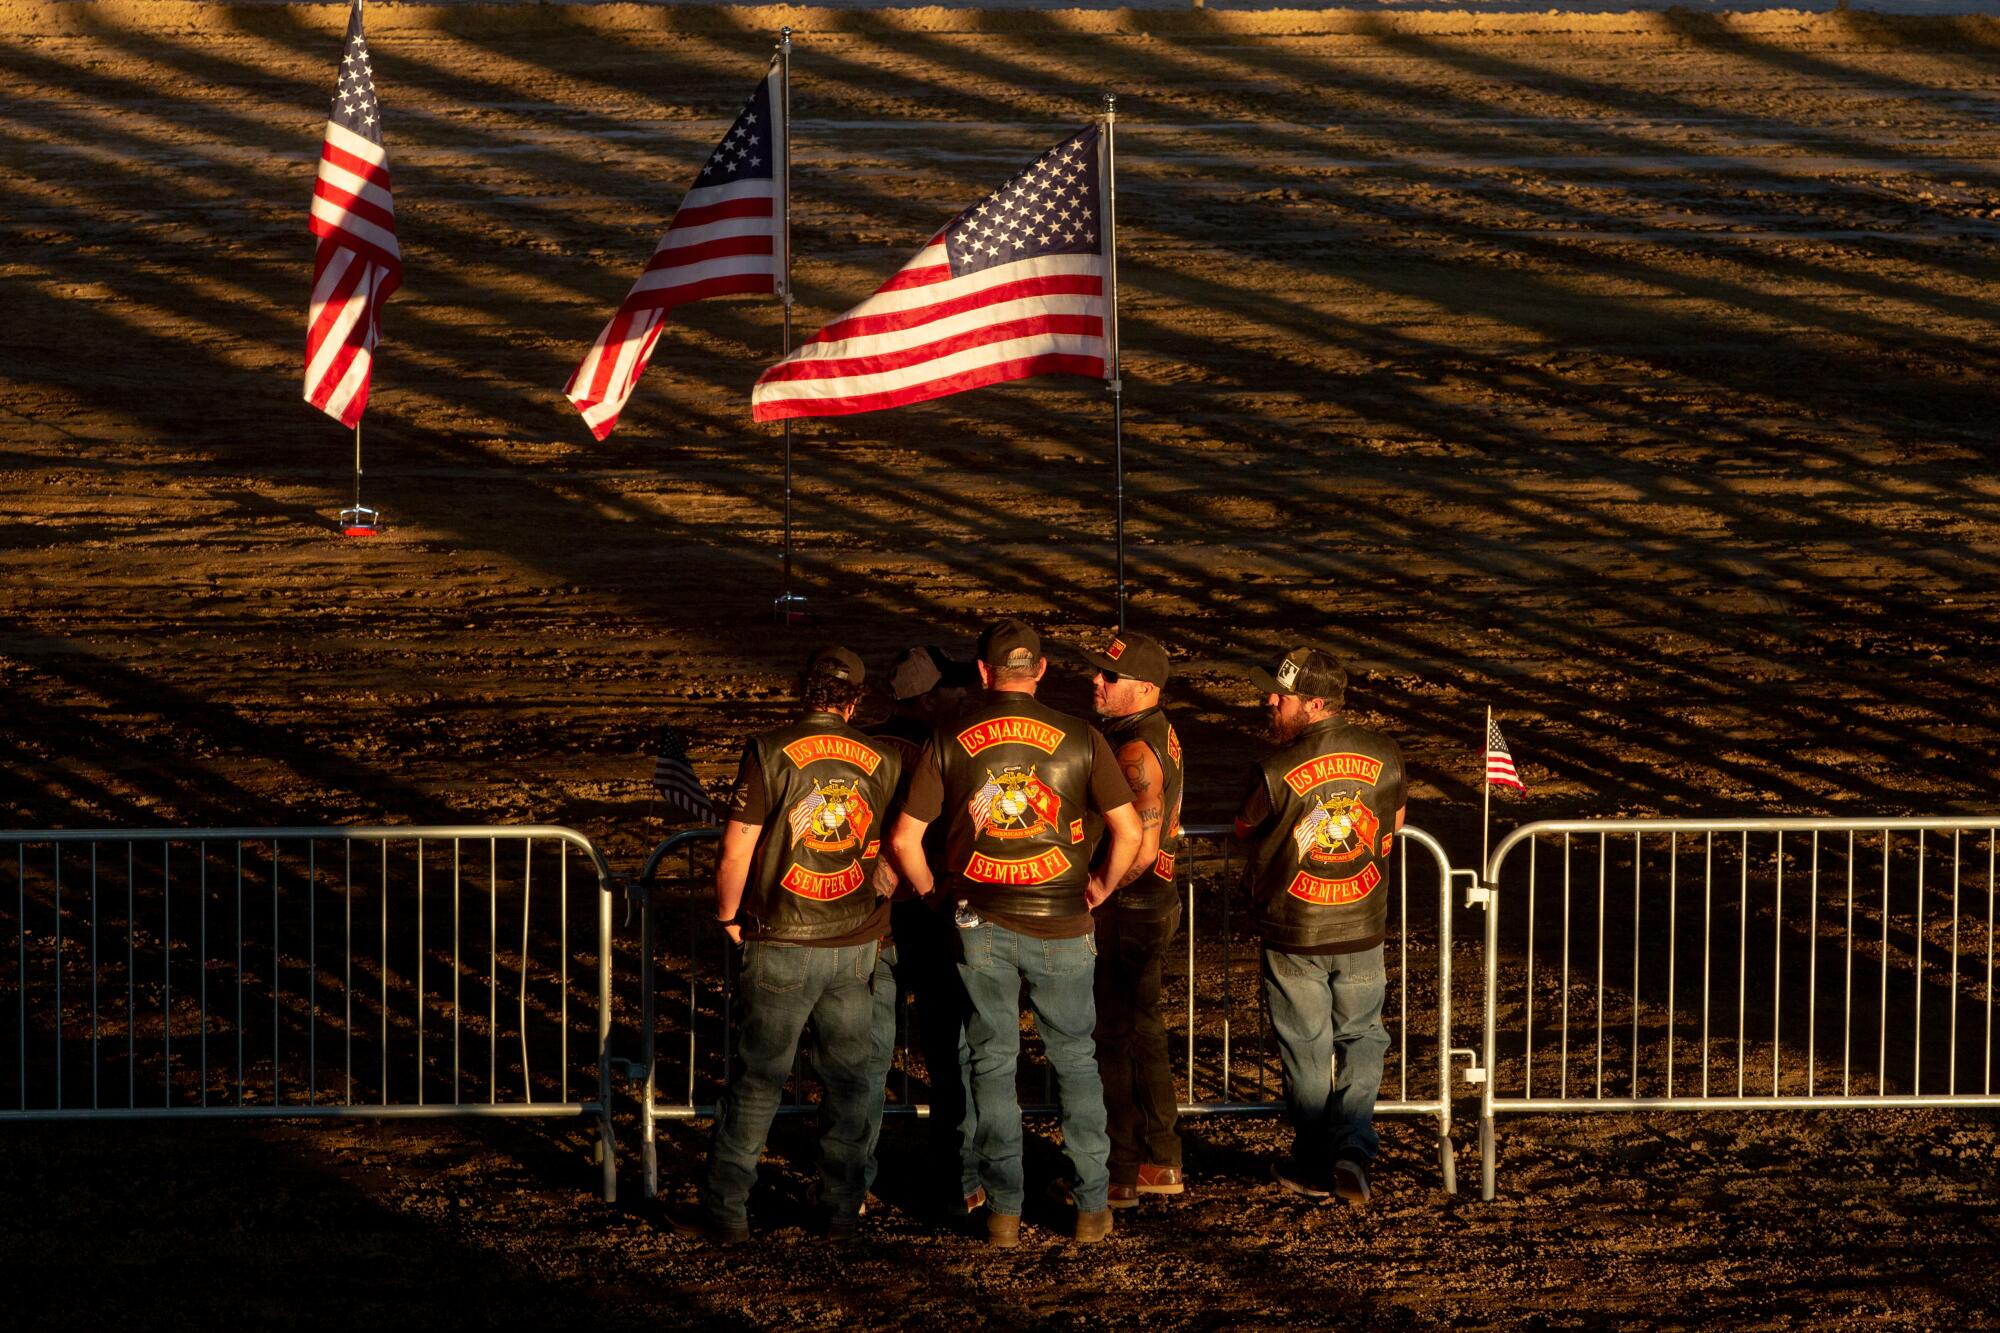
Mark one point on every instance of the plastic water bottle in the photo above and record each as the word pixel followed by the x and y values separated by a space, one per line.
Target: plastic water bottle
pixel 966 917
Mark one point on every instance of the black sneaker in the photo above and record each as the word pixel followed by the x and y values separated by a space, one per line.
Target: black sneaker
pixel 699 1224
pixel 1295 1180
pixel 1350 1181
pixel 868 1200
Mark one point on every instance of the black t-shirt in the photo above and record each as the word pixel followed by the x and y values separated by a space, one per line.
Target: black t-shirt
pixel 749 803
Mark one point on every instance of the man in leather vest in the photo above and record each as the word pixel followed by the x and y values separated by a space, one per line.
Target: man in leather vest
pixel 795 886
pixel 1321 815
pixel 1015 782
pixel 920 953
pixel 928 687
pixel 1137 923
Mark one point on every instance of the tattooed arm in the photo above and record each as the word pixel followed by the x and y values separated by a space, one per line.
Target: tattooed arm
pixel 732 873
pixel 1149 797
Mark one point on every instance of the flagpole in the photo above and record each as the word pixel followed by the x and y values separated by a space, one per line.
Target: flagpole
pixel 356 521
pixel 786 602
pixel 1486 785
pixel 1113 378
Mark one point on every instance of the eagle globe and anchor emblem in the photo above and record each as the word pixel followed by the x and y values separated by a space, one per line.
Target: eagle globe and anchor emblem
pixel 834 818
pixel 1338 828
pixel 1014 803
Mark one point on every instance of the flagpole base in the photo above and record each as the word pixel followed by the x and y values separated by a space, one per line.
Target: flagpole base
pixel 360 521
pixel 789 608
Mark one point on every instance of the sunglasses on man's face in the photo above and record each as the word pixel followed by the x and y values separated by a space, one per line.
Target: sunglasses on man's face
pixel 1108 677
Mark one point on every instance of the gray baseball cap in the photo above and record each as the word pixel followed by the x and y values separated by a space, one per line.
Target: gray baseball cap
pixel 928 667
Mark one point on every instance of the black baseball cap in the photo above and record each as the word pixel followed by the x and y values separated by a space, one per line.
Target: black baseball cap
pixel 836 662
pixel 1133 656
pixel 1010 643
pixel 1307 672
pixel 928 667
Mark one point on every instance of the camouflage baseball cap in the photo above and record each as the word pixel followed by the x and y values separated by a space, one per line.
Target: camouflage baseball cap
pixel 836 662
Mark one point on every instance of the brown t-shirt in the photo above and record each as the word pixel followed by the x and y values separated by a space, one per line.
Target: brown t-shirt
pixel 924 800
pixel 908 735
pixel 748 801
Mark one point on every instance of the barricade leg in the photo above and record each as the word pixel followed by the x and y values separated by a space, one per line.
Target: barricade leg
pixel 607 1152
pixel 649 1038
pixel 1486 1158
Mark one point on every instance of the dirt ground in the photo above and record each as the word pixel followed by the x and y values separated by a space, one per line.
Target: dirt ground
pixel 1634 375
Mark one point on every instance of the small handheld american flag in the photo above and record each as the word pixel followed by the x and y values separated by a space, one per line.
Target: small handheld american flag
pixel 1499 763
pixel 674 779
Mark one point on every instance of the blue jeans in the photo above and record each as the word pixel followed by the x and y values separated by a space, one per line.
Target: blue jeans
pixel 782 986
pixel 922 959
pixel 1323 1005
pixel 994 961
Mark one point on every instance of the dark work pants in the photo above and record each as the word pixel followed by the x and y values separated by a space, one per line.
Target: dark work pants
pixel 1139 1096
pixel 924 962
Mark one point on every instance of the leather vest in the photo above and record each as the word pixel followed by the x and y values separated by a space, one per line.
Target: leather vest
pixel 906 734
pixel 1320 875
pixel 1152 895
pixel 828 790
pixel 1016 788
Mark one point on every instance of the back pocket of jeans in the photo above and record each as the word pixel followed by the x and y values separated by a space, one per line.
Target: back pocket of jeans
pixel 1066 958
pixel 776 968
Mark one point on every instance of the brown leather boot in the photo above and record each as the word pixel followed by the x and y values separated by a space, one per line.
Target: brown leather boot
pixel 1003 1232
pixel 1093 1227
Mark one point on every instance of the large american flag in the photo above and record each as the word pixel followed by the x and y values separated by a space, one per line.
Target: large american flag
pixel 1499 763
pixel 357 263
pixel 674 778
pixel 725 239
pixel 1014 286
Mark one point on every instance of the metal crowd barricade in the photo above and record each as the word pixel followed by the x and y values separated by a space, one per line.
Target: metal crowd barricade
pixel 392 972
pixel 1739 964
pixel 1211 994
pixel 704 955
pixel 1223 977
